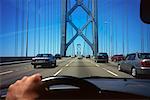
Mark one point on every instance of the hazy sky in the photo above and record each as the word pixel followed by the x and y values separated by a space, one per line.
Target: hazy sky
pixel 118 24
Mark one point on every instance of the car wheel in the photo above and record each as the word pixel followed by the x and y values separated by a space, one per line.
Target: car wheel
pixel 54 64
pixel 119 67
pixel 133 72
pixel 34 66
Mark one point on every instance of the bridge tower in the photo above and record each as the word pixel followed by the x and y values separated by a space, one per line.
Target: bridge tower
pixel 93 18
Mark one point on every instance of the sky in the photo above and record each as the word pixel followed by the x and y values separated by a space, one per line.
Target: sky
pixel 120 30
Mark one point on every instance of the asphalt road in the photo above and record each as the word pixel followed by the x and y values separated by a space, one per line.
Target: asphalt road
pixel 66 66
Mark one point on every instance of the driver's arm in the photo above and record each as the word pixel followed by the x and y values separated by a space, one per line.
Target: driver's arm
pixel 25 89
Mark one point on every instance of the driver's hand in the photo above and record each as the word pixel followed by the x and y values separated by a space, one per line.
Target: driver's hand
pixel 25 89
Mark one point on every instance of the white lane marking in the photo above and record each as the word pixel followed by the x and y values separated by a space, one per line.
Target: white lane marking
pixel 7 72
pixel 97 65
pixel 63 67
pixel 58 72
pixel 110 72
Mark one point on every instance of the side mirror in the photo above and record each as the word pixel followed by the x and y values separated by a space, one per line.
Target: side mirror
pixel 145 11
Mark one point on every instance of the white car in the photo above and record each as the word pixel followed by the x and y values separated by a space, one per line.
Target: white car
pixel 44 60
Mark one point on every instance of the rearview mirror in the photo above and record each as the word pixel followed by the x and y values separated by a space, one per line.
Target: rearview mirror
pixel 145 11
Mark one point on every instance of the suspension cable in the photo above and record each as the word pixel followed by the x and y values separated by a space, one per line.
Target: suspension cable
pixel 127 35
pixel 44 24
pixel 48 28
pixel 35 27
pixel 84 50
pixel 39 39
pixel 22 38
pixel 16 35
pixel 52 13
pixel 123 29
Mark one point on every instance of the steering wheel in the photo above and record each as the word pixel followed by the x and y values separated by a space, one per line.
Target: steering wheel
pixel 85 88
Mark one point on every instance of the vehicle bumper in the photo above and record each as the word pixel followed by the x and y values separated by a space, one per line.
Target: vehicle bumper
pixel 143 71
pixel 42 63
pixel 102 60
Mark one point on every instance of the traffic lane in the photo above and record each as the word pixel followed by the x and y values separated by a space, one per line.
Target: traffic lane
pixel 112 69
pixel 20 65
pixel 10 78
pixel 84 68
pixel 17 67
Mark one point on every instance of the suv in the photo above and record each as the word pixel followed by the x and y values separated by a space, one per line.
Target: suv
pixel 44 60
pixel 102 57
pixel 58 56
pixel 136 64
pixel 116 58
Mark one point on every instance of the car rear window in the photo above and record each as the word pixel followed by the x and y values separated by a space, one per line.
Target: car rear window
pixel 102 54
pixel 144 55
pixel 44 55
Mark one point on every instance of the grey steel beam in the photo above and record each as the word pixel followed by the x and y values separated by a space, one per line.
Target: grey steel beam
pixel 95 27
pixel 87 41
pixel 86 24
pixel 93 19
pixel 73 25
pixel 72 39
pixel 63 27
pixel 79 32
pixel 72 9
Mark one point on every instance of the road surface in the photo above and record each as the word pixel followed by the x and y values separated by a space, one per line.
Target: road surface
pixel 66 66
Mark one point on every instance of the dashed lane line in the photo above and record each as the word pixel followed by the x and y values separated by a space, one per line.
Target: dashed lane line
pixel 64 67
pixel 7 72
pixel 112 73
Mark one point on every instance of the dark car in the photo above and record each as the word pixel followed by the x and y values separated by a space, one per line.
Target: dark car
pixel 58 56
pixel 136 63
pixel 117 58
pixel 102 57
pixel 44 60
pixel 88 56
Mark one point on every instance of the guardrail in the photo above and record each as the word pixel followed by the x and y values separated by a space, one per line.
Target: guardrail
pixel 11 59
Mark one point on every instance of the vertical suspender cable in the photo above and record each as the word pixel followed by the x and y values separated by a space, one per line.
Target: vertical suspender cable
pixel 127 35
pixel 48 27
pixel 35 28
pixel 16 35
pixel 22 38
pixel 59 20
pixel 27 22
pixel 116 22
pixel 112 30
pixel 148 39
pixel 123 29
pixel 44 25
pixel 39 27
pixel 142 39
pixel 52 28
pixel 84 48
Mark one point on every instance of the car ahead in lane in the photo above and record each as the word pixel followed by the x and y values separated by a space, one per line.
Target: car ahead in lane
pixel 102 57
pixel 44 60
pixel 80 57
pixel 58 56
pixel 136 63
pixel 87 56
pixel 117 58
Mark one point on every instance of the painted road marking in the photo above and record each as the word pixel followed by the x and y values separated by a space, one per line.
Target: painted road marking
pixel 114 74
pixel 110 72
pixel 64 67
pixel 7 72
pixel 58 72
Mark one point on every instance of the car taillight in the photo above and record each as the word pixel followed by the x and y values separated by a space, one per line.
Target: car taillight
pixel 145 63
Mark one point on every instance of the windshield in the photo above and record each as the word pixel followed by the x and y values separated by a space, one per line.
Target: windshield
pixel 144 55
pixel 72 30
